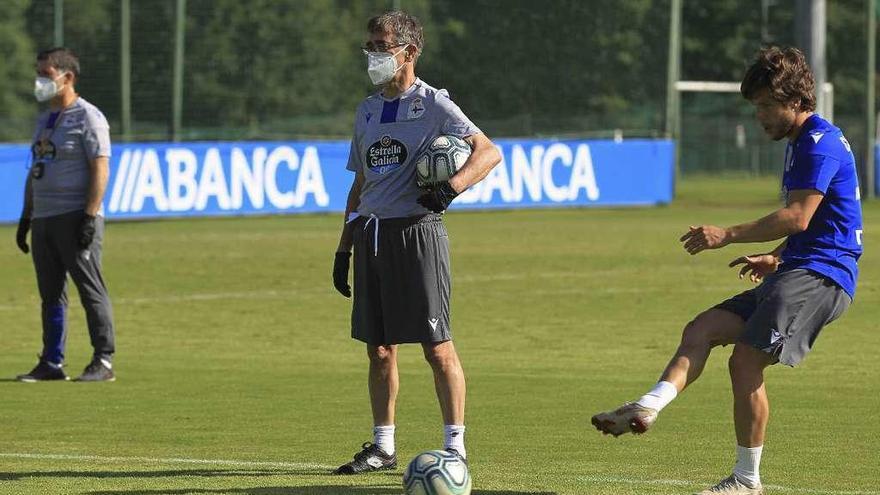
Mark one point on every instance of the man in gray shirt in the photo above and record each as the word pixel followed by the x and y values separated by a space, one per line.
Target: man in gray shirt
pixel 401 248
pixel 62 209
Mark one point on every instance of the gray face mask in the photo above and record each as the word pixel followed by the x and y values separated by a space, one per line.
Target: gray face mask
pixel 46 88
pixel 381 66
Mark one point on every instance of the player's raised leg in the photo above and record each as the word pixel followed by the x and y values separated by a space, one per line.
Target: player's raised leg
pixel 711 328
pixel 449 383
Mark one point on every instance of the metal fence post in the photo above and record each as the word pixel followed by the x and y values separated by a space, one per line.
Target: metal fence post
pixel 177 75
pixel 125 68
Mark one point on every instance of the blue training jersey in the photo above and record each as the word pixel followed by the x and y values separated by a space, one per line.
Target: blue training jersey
pixel 820 158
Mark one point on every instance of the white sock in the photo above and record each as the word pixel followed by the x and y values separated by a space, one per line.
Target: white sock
pixel 748 461
pixel 383 436
pixel 659 397
pixel 107 364
pixel 453 438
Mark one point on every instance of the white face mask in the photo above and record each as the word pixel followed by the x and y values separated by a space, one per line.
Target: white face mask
pixel 381 66
pixel 46 88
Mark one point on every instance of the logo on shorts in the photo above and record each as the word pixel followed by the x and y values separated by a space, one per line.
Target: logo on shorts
pixel 433 322
pixel 775 343
pixel 386 155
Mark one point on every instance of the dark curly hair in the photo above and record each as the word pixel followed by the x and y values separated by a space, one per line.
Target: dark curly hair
pixel 783 71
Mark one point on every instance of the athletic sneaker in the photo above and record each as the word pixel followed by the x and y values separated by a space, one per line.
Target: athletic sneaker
pixel 456 453
pixel 43 372
pixel 732 486
pixel 629 417
pixel 370 458
pixel 96 371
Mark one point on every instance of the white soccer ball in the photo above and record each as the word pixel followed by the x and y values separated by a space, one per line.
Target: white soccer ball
pixel 441 160
pixel 437 472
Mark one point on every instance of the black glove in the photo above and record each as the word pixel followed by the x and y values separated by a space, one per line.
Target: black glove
pixel 86 231
pixel 340 273
pixel 438 199
pixel 24 225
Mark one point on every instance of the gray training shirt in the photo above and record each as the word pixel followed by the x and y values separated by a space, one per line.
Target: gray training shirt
pixel 389 135
pixel 80 135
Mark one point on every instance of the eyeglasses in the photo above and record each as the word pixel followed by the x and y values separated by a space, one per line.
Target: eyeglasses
pixel 380 46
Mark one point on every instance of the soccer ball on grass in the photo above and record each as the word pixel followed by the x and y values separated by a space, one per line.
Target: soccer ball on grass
pixel 437 472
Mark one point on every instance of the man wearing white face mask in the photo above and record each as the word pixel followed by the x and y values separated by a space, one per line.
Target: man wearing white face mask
pixel 62 209
pixel 401 249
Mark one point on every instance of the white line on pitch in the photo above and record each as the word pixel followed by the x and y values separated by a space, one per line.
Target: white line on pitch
pixel 778 488
pixel 170 460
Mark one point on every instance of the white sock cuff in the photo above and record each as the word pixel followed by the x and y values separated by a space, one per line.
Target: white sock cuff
pixel 749 450
pixel 659 397
pixel 383 437
pixel 667 388
pixel 748 465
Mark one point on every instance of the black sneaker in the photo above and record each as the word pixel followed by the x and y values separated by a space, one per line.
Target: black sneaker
pixel 96 371
pixel 43 372
pixel 456 453
pixel 370 459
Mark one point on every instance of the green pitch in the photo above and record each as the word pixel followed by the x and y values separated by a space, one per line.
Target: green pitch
pixel 237 375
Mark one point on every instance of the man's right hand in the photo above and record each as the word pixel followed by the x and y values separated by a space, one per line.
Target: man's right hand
pixel 759 265
pixel 340 273
pixel 24 225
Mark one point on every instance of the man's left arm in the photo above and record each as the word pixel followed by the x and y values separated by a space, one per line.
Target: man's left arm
pixel 792 219
pixel 484 157
pixel 99 169
pixel 96 143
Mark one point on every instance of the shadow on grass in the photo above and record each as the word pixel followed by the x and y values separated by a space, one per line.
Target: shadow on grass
pixel 299 490
pixel 382 488
pixel 168 473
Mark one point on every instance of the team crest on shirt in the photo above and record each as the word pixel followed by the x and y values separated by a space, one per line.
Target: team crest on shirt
pixel 386 155
pixel 416 109
pixel 73 120
pixel 43 149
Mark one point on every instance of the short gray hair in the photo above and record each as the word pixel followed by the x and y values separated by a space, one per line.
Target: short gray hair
pixel 405 28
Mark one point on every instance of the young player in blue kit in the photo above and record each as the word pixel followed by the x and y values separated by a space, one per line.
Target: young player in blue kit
pixel 808 281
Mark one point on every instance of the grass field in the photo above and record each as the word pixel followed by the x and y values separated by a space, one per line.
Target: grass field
pixel 237 374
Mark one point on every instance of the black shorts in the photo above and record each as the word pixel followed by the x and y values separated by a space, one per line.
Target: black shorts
pixel 402 280
pixel 785 314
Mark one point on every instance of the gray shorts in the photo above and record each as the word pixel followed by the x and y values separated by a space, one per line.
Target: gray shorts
pixel 402 280
pixel 785 314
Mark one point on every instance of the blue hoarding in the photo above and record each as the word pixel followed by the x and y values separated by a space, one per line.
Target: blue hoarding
pixel 151 180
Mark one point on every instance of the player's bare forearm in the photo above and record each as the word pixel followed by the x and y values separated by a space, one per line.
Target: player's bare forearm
pixel 484 157
pixel 781 223
pixel 351 204
pixel 792 219
pixel 100 173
